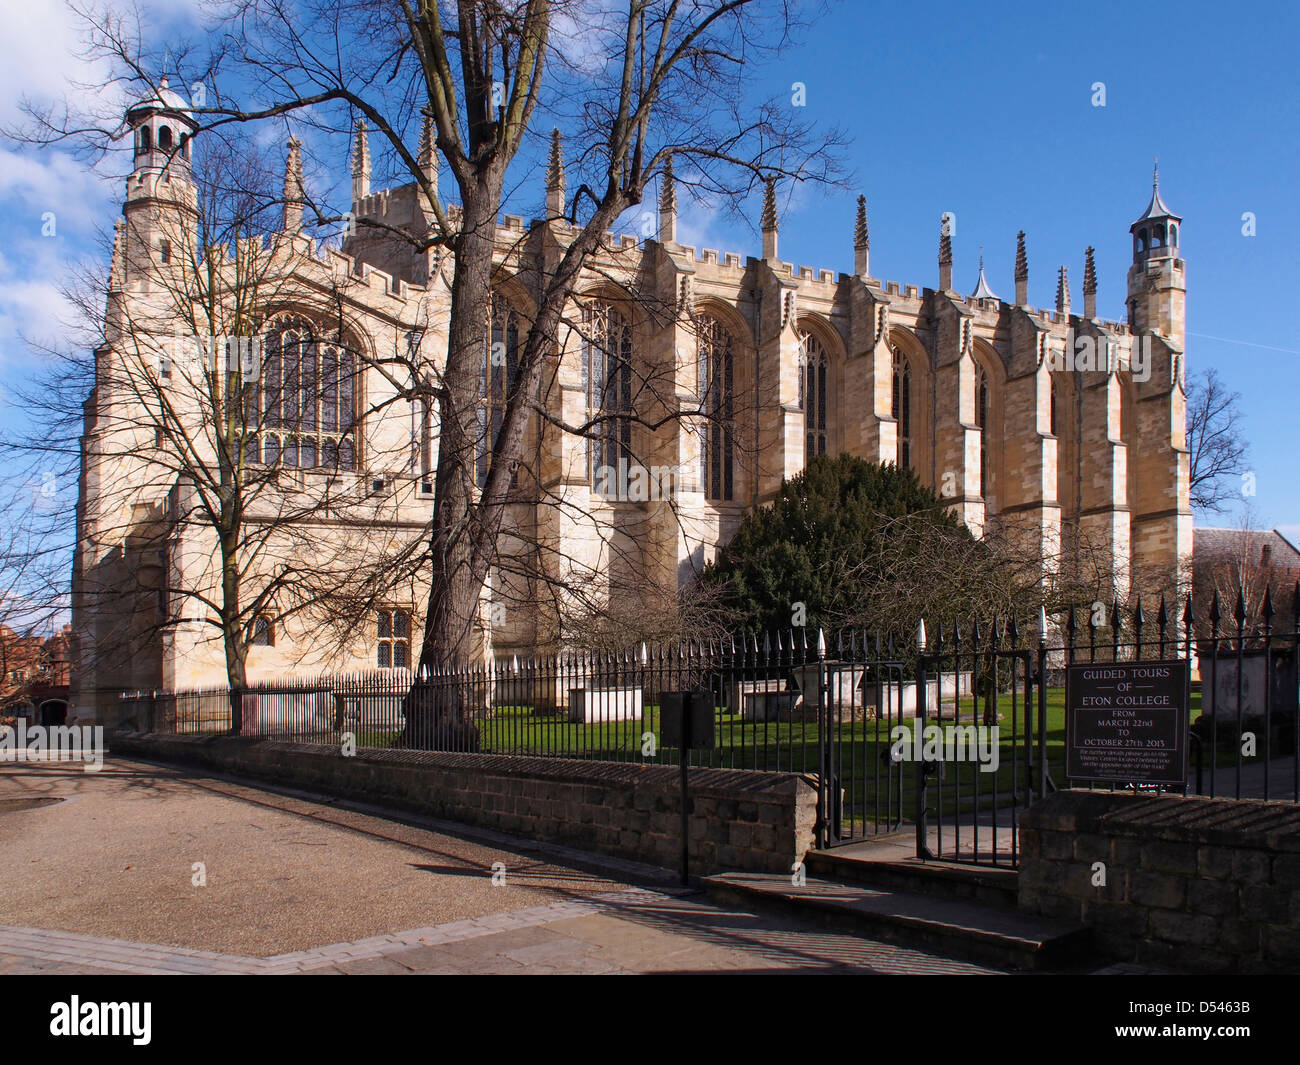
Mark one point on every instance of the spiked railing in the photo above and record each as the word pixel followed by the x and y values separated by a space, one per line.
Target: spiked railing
pixel 802 700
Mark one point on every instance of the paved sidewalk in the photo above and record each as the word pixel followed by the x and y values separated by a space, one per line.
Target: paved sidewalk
pixel 103 882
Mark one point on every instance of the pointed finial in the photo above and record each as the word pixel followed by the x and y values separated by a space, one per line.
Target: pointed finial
pixel 983 291
pixel 117 268
pixel 1042 623
pixel 1022 270
pixel 293 190
pixel 1155 174
pixel 945 254
pixel 1089 283
pixel 555 180
pixel 667 188
pixel 667 204
pixel 555 164
pixel 360 162
pixel 862 241
pixel 920 636
pixel 1063 291
pixel 427 156
pixel 769 220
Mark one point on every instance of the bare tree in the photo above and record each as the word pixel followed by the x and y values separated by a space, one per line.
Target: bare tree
pixel 1238 567
pixel 1214 440
pixel 658 81
pixel 219 435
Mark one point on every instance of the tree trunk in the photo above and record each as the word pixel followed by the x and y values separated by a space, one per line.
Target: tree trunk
pixel 438 715
pixel 232 634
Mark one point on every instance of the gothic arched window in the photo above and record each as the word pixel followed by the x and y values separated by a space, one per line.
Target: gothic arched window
pixel 497 374
pixel 262 632
pixel 901 406
pixel 814 368
pixel 717 401
pixel 165 138
pixel 607 381
pixel 308 401
pixel 982 420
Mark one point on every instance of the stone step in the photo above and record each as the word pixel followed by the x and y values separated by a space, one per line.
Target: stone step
pixel 949 880
pixel 990 934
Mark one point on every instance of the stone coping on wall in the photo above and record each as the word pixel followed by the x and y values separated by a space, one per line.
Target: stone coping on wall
pixel 741 819
pixel 1271 825
pixel 1191 883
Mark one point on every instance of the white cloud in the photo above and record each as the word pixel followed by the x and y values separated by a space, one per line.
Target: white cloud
pixel 32 304
pixel 33 183
pixel 583 33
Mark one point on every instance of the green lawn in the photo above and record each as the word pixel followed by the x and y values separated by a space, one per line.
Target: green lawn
pixel 860 749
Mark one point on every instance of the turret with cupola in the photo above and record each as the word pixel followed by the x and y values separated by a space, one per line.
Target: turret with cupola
pixel 160 205
pixel 1157 280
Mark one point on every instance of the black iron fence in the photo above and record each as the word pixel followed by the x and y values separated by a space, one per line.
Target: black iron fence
pixel 948 734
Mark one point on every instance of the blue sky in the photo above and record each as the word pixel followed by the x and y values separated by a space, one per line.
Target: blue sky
pixel 985 111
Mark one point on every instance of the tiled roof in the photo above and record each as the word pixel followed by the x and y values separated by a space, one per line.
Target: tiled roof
pixel 1211 544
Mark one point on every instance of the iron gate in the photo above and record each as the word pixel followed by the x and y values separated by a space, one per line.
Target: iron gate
pixel 946 748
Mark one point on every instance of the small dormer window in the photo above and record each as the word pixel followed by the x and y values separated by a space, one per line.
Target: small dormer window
pixel 165 138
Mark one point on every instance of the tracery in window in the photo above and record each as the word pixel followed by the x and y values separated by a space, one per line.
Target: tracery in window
pixel 715 371
pixel 813 398
pixel 607 381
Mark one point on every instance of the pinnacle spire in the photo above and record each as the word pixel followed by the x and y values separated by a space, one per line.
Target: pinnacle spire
pixel 667 190
pixel 1063 291
pixel 555 180
pixel 1089 283
pixel 360 162
pixel 945 255
pixel 117 268
pixel 555 164
pixel 1022 271
pixel 427 156
pixel 769 220
pixel 293 188
pixel 862 241
pixel 667 204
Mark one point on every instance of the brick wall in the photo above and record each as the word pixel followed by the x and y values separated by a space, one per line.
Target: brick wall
pixel 1208 885
pixel 741 820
